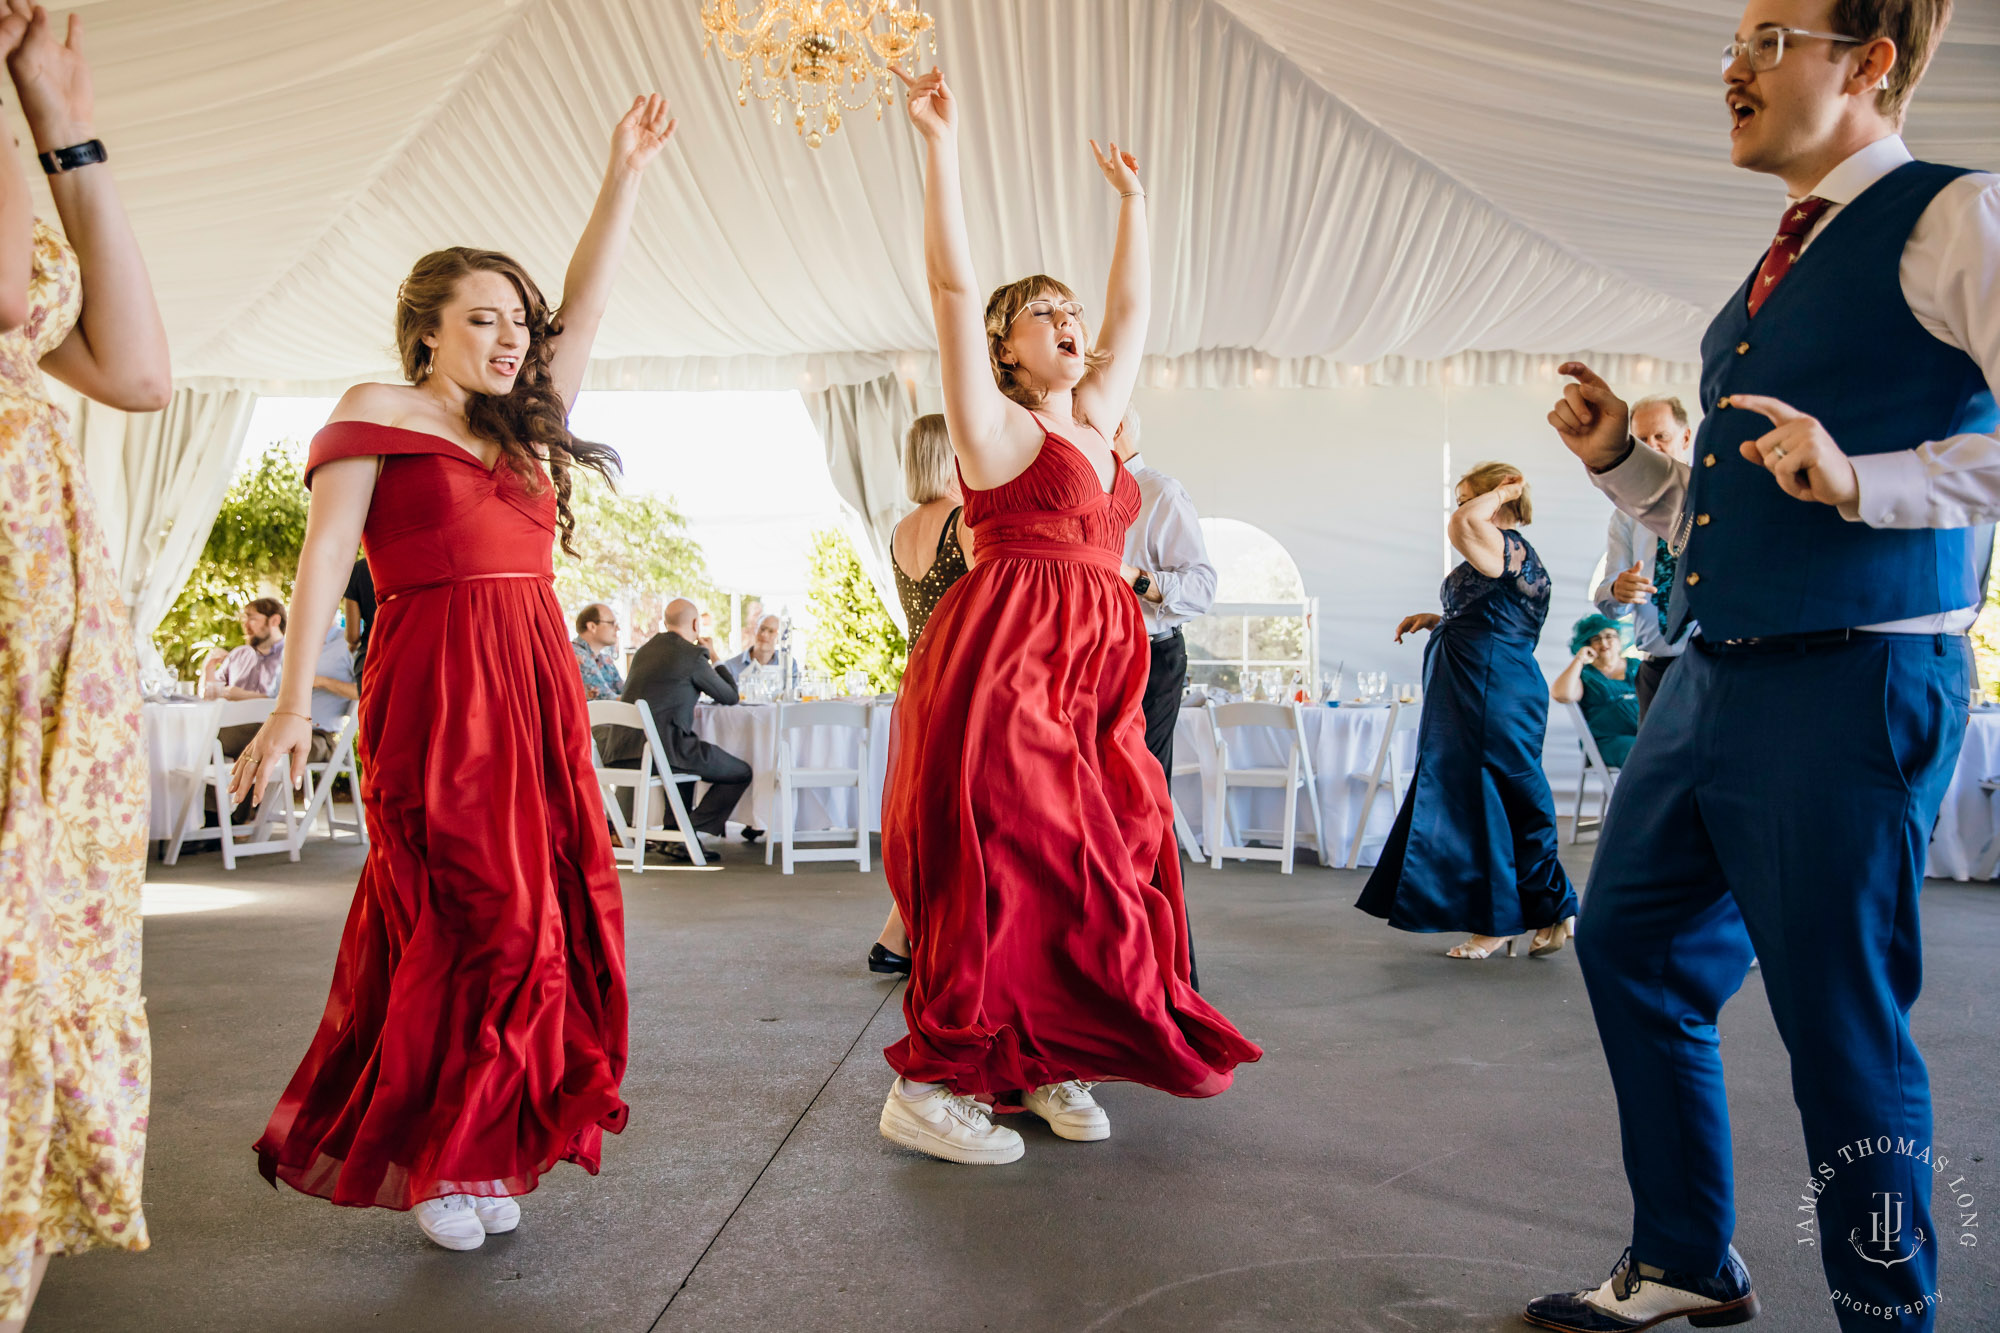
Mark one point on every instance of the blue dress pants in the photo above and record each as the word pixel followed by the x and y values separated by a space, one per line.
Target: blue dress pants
pixel 1779 806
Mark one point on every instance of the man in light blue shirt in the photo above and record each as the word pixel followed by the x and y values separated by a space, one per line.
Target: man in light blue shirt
pixel 1638 566
pixel 763 655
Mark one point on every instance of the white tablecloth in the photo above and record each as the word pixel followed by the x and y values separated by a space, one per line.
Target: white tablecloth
pixel 1965 820
pixel 175 736
pixel 750 732
pixel 1341 742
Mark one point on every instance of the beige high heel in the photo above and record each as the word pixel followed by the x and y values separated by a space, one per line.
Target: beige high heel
pixel 1471 951
pixel 1546 943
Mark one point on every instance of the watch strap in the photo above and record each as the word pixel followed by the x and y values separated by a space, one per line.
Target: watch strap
pixel 58 160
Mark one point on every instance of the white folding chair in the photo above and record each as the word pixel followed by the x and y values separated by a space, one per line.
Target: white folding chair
pixel 1183 830
pixel 653 774
pixel 1387 771
pixel 1593 762
pixel 1294 776
pixel 319 788
pixel 212 774
pixel 1986 862
pixel 851 844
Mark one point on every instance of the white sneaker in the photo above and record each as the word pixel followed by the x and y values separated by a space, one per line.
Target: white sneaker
pixel 450 1222
pixel 1070 1110
pixel 946 1125
pixel 498 1215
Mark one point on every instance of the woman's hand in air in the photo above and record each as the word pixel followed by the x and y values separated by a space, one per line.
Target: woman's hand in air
pixel 50 75
pixel 1119 167
pixel 932 106
pixel 642 133
pixel 1423 620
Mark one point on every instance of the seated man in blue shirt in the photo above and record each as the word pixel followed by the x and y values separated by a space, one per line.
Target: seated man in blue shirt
pixel 596 646
pixel 762 654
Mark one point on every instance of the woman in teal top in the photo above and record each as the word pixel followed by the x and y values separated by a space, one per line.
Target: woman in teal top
pixel 1601 678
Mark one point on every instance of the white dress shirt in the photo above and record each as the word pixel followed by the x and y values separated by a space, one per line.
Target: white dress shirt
pixel 1951 277
pixel 1627 543
pixel 1165 543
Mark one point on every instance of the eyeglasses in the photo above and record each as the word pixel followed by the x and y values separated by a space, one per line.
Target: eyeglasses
pixel 1045 311
pixel 1766 47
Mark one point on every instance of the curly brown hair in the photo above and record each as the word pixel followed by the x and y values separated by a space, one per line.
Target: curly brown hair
pixel 530 423
pixel 1002 309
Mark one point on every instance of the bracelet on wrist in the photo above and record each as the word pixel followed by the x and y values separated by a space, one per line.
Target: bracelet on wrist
pixel 1131 194
pixel 286 712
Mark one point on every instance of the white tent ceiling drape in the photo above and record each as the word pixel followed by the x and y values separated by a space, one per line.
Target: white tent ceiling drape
pixel 1334 181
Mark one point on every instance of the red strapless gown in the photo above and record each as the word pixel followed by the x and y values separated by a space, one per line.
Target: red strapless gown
pixel 1026 831
pixel 475 1034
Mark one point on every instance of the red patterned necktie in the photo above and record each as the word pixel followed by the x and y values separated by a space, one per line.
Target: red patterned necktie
pixel 1784 252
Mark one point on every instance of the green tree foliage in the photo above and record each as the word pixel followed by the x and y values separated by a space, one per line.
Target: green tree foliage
pixel 252 551
pixel 637 556
pixel 854 631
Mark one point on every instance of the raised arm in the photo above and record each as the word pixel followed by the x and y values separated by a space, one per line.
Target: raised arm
pixel 1568 685
pixel 993 441
pixel 1474 534
pixel 1128 296
pixel 636 141
pixel 117 353
pixel 17 205
pixel 340 496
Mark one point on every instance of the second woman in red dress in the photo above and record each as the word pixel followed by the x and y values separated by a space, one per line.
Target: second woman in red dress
pixel 475 1033
pixel 1026 827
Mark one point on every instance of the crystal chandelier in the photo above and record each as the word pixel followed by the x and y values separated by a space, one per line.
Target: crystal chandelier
pixel 818 55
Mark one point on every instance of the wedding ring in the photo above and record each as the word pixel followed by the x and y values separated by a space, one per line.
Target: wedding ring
pixel 1777 451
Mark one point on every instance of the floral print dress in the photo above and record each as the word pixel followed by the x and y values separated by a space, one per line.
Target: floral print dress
pixel 75 1063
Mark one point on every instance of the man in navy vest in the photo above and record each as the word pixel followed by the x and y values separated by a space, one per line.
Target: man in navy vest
pixel 1780 799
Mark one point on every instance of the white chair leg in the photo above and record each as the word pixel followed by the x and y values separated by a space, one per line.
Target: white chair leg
pixel 1220 838
pixel 1190 844
pixel 861 812
pixel 786 795
pixel 1292 817
pixel 773 834
pixel 1361 824
pixel 1318 822
pixel 222 814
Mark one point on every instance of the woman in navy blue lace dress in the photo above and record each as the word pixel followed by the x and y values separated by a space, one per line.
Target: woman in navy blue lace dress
pixel 1474 846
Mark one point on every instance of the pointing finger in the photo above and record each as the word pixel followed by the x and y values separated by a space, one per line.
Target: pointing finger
pixel 1778 411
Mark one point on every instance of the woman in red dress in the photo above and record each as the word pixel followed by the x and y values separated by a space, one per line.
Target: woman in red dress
pixel 1026 827
pixel 475 1033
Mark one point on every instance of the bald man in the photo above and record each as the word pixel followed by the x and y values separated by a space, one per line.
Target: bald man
pixel 671 672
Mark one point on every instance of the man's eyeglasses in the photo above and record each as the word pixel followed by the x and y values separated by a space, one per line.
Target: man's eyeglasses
pixel 1766 47
pixel 1045 311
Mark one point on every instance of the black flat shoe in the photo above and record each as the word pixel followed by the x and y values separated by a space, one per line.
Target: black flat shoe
pixel 881 960
pixel 1630 1300
pixel 753 836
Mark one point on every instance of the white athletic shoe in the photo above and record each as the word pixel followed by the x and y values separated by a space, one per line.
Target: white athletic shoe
pixel 946 1125
pixel 498 1215
pixel 1070 1110
pixel 450 1222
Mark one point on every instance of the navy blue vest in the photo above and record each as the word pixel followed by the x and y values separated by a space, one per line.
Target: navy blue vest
pixel 1836 340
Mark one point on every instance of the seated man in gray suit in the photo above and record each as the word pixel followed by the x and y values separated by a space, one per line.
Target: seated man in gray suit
pixel 670 673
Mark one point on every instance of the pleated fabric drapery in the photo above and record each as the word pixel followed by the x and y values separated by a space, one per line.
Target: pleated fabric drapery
pixel 863 426
pixel 159 479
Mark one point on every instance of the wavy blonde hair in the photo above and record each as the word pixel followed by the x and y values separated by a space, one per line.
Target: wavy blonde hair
pixel 1484 477
pixel 1002 309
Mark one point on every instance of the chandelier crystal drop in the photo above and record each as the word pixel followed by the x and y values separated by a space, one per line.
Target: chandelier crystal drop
pixel 820 57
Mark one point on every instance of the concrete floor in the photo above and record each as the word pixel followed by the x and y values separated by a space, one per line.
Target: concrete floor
pixel 1425 1145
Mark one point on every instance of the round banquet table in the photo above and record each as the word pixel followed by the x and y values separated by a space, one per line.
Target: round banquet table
pixel 1965 820
pixel 750 732
pixel 1342 744
pixel 176 731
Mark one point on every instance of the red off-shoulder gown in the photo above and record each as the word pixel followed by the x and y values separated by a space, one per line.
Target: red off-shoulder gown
pixel 1026 830
pixel 475 1033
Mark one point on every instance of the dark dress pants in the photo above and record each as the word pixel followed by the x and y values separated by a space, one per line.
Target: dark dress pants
pixel 1652 670
pixel 727 776
pixel 1165 682
pixel 1780 805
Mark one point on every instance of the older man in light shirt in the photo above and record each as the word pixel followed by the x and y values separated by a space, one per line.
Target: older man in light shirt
pixel 1638 565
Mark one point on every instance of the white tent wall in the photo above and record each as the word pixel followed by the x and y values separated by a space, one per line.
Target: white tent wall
pixel 1352 482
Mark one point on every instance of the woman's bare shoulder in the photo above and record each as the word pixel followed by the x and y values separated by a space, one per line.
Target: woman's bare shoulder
pixel 378 404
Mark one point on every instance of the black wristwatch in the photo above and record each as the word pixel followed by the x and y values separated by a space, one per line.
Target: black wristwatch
pixel 1143 584
pixel 58 160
